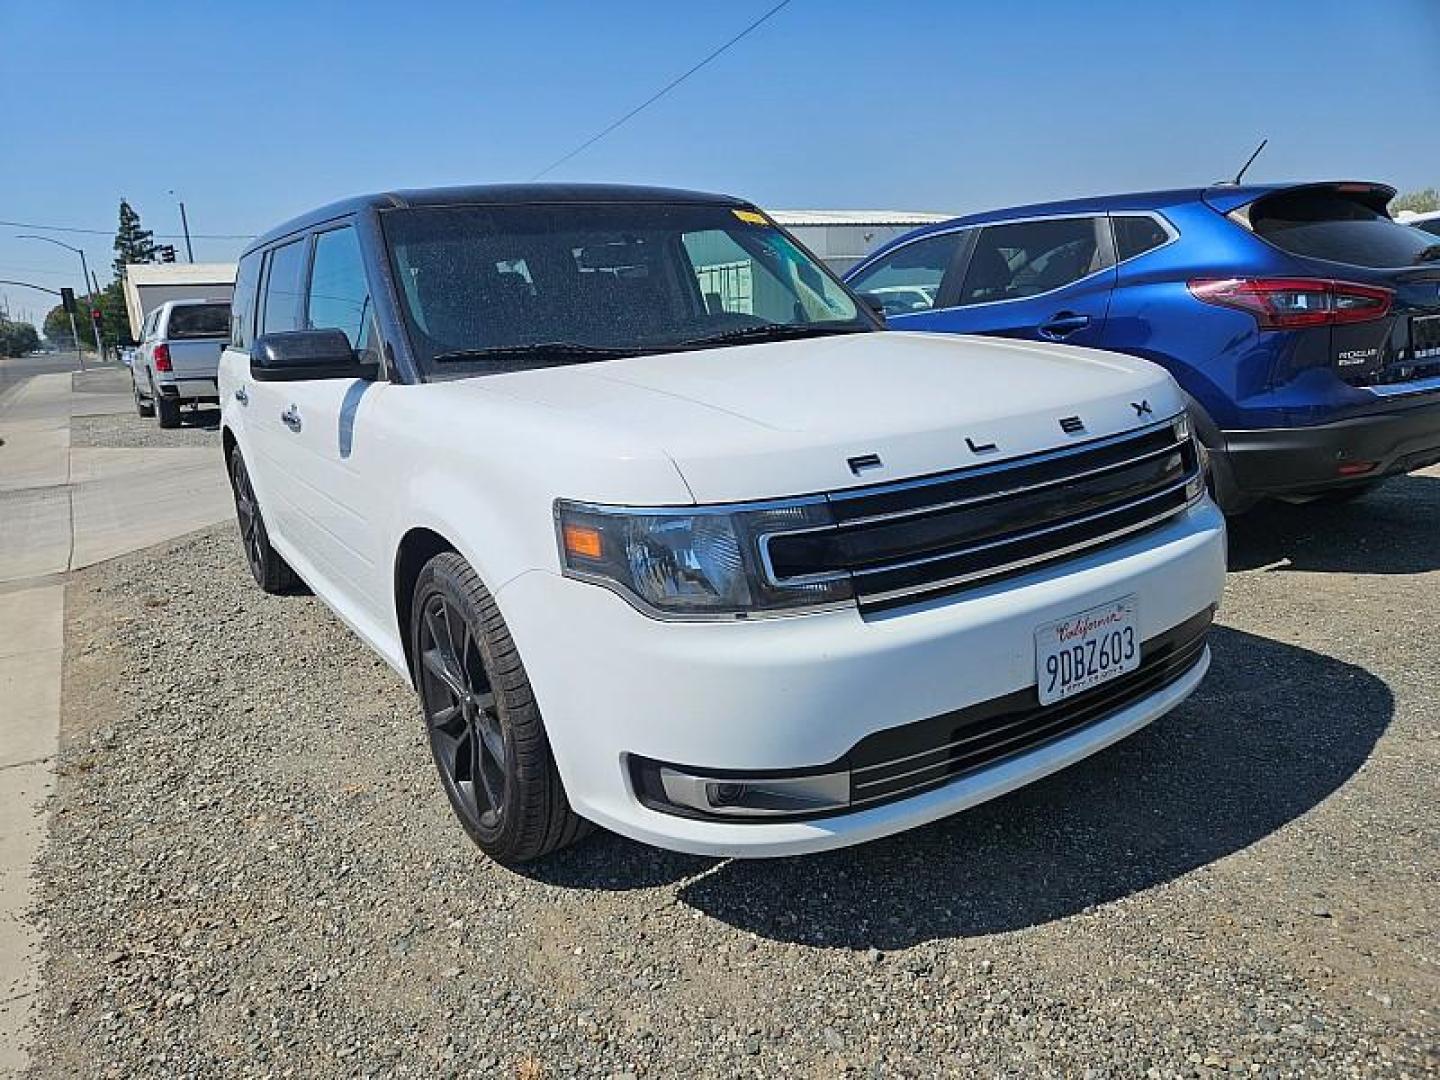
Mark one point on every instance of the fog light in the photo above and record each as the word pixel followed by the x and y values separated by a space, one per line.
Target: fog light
pixel 758 797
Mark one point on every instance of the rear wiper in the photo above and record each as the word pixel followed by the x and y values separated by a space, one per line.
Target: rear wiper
pixel 557 350
pixel 769 332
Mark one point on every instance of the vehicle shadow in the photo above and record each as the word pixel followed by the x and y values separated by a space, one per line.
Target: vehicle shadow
pixel 1272 731
pixel 1389 531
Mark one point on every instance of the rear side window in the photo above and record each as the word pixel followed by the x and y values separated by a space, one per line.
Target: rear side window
pixel 1331 226
pixel 284 290
pixel 1027 258
pixel 198 321
pixel 339 297
pixel 242 304
pixel 908 278
pixel 1136 234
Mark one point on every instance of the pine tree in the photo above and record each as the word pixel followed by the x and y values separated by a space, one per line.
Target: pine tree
pixel 132 243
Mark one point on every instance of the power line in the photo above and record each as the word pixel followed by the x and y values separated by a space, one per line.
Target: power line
pixel 111 232
pixel 671 85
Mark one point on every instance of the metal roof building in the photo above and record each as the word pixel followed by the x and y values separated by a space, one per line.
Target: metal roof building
pixel 843 237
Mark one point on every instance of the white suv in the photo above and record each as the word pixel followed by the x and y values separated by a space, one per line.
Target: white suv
pixel 670 537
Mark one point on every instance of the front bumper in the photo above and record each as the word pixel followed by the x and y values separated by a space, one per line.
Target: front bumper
pixel 1306 460
pixel 795 693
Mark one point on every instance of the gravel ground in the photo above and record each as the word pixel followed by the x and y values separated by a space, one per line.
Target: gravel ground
pixel 253 870
pixel 199 427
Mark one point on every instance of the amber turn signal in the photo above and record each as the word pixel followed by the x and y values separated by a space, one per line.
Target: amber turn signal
pixel 582 540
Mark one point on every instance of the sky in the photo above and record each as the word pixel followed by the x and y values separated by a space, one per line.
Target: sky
pixel 255 110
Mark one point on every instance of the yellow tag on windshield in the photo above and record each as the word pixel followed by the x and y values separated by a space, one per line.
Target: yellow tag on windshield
pixel 750 217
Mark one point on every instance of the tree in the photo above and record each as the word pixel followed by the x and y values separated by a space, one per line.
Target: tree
pixel 114 320
pixel 1421 202
pixel 17 338
pixel 132 243
pixel 57 327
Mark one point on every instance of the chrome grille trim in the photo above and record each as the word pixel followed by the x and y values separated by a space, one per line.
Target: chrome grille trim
pixel 1034 560
pixel 1010 493
pixel 958 555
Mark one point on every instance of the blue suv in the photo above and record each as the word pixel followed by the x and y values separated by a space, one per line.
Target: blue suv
pixel 1302 321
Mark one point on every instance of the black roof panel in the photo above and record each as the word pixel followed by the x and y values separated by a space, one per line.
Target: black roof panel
pixel 495 194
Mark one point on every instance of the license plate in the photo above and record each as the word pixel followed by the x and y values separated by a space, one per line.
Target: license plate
pixel 1086 650
pixel 1425 337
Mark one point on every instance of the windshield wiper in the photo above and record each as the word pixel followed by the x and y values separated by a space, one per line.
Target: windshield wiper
pixel 555 350
pixel 769 332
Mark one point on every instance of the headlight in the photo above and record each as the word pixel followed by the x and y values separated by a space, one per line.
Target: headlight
pixel 693 562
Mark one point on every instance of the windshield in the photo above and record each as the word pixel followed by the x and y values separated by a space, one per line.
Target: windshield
pixel 501 288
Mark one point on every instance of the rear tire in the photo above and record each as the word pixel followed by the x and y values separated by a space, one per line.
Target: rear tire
pixel 486 735
pixel 168 410
pixel 270 571
pixel 144 407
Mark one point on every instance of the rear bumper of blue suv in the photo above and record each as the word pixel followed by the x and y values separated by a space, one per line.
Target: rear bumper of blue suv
pixel 1304 461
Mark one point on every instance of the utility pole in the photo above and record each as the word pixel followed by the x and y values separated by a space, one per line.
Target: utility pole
pixel 185 228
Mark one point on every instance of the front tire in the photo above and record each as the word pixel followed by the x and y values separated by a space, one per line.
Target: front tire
pixel 270 571
pixel 485 730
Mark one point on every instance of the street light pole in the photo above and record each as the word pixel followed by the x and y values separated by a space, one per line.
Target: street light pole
pixel 84 280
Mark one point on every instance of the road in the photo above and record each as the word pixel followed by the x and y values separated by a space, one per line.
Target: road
pixel 15 370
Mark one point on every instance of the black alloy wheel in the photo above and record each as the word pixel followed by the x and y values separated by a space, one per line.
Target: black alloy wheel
pixel 462 717
pixel 270 571
pixel 481 719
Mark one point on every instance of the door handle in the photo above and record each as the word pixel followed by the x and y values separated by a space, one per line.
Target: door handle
pixel 241 396
pixel 291 418
pixel 1063 324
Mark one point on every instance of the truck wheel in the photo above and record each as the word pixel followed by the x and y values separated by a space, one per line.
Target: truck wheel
pixel 485 730
pixel 270 571
pixel 168 410
pixel 143 405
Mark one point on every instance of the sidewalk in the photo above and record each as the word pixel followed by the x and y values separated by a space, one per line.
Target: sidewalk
pixel 61 509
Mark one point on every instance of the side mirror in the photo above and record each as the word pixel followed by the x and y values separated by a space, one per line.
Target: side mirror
pixel 296 355
pixel 875 304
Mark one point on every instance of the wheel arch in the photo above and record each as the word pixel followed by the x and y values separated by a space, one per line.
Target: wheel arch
pixel 417 547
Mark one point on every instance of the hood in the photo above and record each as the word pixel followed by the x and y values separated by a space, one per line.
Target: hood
pixel 784 419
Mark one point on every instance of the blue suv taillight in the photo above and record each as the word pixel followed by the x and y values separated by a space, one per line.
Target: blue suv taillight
pixel 1295 303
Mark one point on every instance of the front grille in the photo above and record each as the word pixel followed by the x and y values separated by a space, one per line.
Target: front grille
pixel 906 760
pixel 903 542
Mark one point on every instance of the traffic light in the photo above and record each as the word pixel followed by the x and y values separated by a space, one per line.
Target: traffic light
pixel 67 300
pixel 98 318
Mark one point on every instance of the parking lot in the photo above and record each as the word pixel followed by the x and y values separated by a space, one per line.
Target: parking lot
pixel 253 871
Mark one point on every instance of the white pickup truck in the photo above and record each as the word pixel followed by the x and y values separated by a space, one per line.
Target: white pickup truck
pixel 176 360
pixel 669 535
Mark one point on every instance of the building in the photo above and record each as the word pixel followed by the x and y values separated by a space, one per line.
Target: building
pixel 841 238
